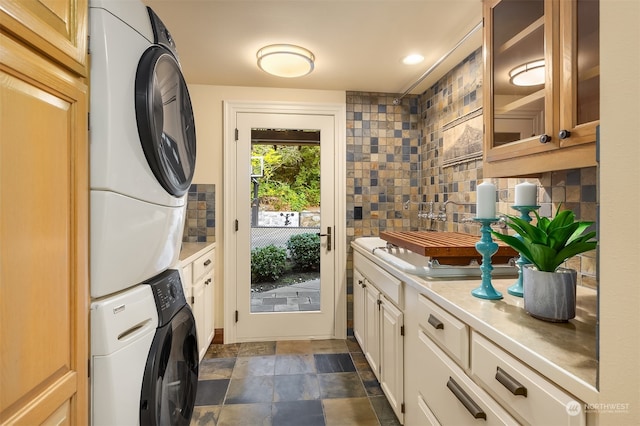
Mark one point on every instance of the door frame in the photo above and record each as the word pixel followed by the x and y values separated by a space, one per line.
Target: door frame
pixel 229 215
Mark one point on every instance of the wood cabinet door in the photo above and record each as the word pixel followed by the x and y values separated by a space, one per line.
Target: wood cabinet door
pixel 57 28
pixel 43 240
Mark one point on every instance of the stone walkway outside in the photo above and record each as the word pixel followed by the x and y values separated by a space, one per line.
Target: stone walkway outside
pixel 303 296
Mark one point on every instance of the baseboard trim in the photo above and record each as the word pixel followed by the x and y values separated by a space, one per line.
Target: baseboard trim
pixel 218 336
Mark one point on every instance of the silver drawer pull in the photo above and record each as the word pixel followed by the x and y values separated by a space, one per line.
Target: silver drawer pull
pixel 207 262
pixel 510 383
pixel 466 400
pixel 435 322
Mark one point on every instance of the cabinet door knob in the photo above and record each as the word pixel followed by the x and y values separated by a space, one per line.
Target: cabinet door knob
pixel 466 400
pixel 563 134
pixel 545 138
pixel 207 262
pixel 510 383
pixel 435 322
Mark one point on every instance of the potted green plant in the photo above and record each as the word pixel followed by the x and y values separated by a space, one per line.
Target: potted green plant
pixel 549 291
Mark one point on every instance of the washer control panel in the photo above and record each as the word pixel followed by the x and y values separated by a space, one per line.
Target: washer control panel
pixel 168 294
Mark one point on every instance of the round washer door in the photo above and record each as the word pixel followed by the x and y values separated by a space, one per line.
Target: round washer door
pixel 165 120
pixel 171 374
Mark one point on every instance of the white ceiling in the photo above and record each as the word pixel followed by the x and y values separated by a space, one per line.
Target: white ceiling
pixel 358 44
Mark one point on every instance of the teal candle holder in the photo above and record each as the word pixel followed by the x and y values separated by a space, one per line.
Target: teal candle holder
pixel 487 248
pixel 516 289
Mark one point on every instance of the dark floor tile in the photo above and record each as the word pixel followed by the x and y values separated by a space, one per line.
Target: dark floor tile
pixel 205 415
pixel 257 348
pixel 216 368
pixel 245 415
pixel 222 351
pixel 360 362
pixel 353 345
pixel 340 385
pixel 383 410
pixel 371 384
pixel 250 390
pixel 254 366
pixel 296 387
pixel 296 413
pixel 334 363
pixel 211 392
pixel 295 364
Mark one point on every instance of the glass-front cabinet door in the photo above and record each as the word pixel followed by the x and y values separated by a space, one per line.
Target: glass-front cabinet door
pixel 541 85
pixel 580 72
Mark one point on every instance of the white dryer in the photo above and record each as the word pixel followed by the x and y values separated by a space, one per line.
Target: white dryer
pixel 144 355
pixel 142 146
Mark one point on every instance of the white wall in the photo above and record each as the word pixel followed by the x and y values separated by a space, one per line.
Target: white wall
pixel 207 104
pixel 620 202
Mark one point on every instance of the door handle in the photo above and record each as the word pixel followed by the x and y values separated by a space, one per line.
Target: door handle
pixel 328 235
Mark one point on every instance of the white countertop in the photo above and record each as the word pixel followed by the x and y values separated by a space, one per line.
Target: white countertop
pixel 191 251
pixel 564 352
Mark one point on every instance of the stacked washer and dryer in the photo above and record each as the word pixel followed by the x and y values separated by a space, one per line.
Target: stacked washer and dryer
pixel 144 355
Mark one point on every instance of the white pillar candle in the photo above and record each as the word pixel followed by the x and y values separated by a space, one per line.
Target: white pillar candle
pixel 486 201
pixel 526 194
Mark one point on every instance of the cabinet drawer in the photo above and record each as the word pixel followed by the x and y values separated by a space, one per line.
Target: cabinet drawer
pixel 451 333
pixel 425 415
pixel 203 264
pixel 385 282
pixel 529 395
pixel 452 396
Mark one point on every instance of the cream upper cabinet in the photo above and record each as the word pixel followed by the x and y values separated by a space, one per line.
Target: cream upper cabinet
pixel 541 85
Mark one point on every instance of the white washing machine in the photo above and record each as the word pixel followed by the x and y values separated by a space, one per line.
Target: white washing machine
pixel 142 147
pixel 144 355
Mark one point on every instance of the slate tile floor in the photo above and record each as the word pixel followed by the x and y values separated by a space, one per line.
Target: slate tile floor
pixel 297 383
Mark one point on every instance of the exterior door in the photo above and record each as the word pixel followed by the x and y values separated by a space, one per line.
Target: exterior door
pixel 284 321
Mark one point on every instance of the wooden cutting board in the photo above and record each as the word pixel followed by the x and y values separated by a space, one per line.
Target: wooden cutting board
pixel 449 248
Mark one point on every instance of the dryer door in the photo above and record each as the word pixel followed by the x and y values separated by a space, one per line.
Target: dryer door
pixel 171 373
pixel 165 120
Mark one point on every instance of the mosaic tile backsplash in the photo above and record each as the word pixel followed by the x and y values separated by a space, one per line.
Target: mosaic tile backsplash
pixel 200 225
pixel 395 170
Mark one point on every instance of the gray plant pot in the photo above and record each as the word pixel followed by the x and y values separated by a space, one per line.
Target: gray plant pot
pixel 549 296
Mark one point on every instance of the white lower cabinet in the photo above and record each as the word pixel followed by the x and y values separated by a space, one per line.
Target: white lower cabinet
pixel 198 276
pixel 378 326
pixel 450 394
pixel 456 376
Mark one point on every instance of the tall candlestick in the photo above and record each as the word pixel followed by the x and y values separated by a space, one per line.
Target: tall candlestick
pixel 486 201
pixel 526 194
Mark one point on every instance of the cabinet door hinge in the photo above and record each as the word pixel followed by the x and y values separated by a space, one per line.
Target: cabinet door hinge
pixel 236 316
pixel 402 330
pixel 89 367
pixel 88 122
pixel 193 300
pixel 88 45
pixel 402 408
pixel 237 225
pixel 237 135
pixel 379 303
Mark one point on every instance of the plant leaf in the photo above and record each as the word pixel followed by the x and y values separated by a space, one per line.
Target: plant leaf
pixel 543 257
pixel 573 250
pixel 514 242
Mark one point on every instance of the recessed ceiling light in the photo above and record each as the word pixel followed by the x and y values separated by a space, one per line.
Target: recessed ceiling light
pixel 413 59
pixel 285 60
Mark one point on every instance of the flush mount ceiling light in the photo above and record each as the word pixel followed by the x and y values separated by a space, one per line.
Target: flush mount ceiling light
pixel 285 60
pixel 529 74
pixel 412 59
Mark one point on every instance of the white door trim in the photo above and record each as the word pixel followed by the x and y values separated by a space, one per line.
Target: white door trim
pixel 229 215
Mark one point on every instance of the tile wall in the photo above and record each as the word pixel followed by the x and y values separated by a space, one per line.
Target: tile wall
pixel 394 155
pixel 200 225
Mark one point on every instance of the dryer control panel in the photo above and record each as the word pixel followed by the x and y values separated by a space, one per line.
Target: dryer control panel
pixel 168 294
